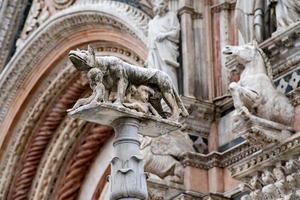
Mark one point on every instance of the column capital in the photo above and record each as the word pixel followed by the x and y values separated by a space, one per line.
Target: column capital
pixel 191 11
pixel 223 6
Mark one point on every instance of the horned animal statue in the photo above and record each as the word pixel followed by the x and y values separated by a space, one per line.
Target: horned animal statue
pixel 255 92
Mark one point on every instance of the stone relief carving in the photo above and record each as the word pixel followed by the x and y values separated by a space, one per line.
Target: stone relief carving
pixel 146 6
pixel 162 155
pixel 255 97
pixel 163 39
pixel 37 15
pixel 269 190
pixel 115 75
pixel 254 187
pixel 274 183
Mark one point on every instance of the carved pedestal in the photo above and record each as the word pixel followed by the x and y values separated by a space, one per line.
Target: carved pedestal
pixel 258 131
pixel 127 179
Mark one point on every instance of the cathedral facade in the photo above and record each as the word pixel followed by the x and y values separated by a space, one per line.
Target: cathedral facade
pixel 234 63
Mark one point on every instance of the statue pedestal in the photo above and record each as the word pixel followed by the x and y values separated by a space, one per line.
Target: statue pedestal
pixel 260 132
pixel 127 179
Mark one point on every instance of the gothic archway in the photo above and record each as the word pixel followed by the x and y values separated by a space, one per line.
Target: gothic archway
pixel 41 147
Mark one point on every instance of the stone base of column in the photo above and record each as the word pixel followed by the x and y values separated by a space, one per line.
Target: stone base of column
pixel 128 179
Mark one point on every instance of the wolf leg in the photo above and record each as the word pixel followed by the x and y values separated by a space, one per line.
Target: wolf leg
pixel 170 100
pixel 122 86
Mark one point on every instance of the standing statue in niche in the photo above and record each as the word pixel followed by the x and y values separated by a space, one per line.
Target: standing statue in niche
pixel 163 39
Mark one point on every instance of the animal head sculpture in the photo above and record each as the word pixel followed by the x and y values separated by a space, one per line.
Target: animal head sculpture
pixel 247 53
pixel 83 60
pixel 243 53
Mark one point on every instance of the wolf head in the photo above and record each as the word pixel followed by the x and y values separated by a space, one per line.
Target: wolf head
pixel 83 60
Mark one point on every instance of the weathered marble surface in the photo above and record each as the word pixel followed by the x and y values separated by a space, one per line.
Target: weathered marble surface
pixel 279 182
pixel 127 179
pixel 259 19
pixel 262 115
pixel 260 132
pixel 106 113
pixel 287 13
pixel 162 155
pixel 131 111
pixel 119 76
pixel 255 92
pixel 163 39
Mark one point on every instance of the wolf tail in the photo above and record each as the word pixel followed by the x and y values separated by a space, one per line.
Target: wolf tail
pixel 184 112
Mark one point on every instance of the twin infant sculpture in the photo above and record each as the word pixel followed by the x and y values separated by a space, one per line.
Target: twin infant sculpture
pixel 137 88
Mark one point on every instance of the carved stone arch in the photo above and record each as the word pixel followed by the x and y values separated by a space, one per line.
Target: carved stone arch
pixel 37 61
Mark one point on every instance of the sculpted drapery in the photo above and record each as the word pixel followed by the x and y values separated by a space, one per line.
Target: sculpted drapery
pixel 287 12
pixel 163 39
pixel 258 19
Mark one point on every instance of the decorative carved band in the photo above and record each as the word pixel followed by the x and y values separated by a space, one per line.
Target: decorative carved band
pixel 24 178
pixel 216 159
pixel 81 161
pixel 223 6
pixel 272 154
pixel 34 115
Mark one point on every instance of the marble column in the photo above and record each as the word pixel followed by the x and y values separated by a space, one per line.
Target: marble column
pixel 127 179
pixel 188 47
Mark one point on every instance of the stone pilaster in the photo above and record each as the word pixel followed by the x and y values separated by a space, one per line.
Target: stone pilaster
pixel 188 47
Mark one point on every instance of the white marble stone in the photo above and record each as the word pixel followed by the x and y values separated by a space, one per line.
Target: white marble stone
pixel 107 113
pixel 163 39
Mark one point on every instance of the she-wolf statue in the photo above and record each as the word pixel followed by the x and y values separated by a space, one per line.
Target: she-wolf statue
pixel 119 74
